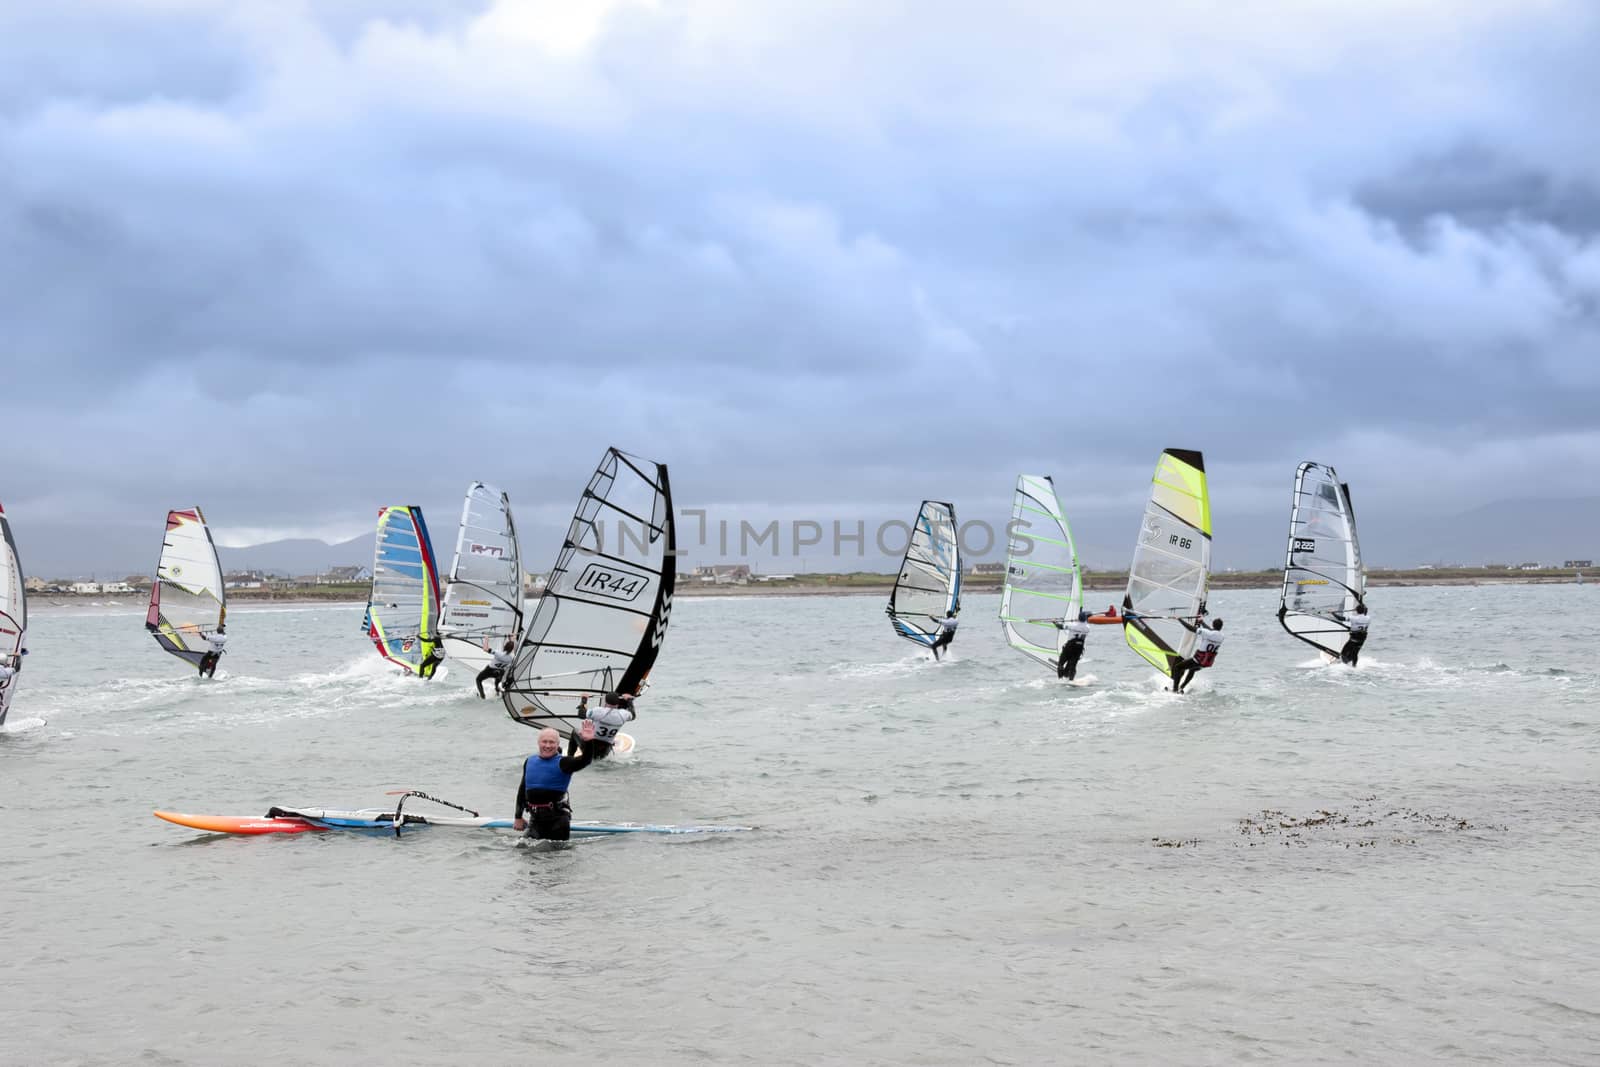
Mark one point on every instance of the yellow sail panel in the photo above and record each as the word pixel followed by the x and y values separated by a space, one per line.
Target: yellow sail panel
pixel 1180 487
pixel 1141 642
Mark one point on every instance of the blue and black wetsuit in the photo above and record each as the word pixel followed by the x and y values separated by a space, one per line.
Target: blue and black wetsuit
pixel 542 793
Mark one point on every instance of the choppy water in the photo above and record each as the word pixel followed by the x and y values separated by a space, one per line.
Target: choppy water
pixel 957 863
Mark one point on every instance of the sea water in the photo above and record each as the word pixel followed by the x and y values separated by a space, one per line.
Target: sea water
pixel 954 863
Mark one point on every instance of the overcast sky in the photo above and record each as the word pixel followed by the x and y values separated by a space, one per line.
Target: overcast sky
pixel 293 260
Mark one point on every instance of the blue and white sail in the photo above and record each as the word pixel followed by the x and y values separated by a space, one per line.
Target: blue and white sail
pixel 928 586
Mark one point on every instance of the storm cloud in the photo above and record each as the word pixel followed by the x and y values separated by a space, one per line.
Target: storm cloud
pixel 295 260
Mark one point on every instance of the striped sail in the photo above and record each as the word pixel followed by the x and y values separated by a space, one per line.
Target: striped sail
pixel 13 612
pixel 929 584
pixel 1323 577
pixel 483 599
pixel 187 601
pixel 1043 584
pixel 599 625
pixel 403 611
pixel 1171 569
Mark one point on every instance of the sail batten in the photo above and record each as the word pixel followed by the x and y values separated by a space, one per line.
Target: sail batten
pixel 928 586
pixel 188 600
pixel 403 610
pixel 1043 582
pixel 483 601
pixel 599 624
pixel 1170 575
pixel 13 612
pixel 1323 575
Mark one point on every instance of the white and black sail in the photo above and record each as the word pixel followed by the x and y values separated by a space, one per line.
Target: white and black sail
pixel 928 586
pixel 188 601
pixel 483 600
pixel 599 624
pixel 1323 577
pixel 13 612
pixel 1044 585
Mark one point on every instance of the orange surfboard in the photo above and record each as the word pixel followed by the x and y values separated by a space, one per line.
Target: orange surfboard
pixel 238 824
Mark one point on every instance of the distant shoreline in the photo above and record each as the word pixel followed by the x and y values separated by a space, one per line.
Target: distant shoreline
pixel 856 584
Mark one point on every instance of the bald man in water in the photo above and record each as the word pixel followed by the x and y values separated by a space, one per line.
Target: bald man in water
pixel 542 790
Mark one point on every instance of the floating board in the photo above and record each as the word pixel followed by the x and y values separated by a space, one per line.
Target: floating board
pixel 238 824
pixel 325 819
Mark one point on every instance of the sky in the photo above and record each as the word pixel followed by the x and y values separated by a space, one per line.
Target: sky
pixel 294 260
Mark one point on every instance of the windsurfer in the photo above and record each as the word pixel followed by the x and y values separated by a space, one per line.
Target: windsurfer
pixel 615 709
pixel 947 630
pixel 499 662
pixel 542 789
pixel 10 667
pixel 215 643
pixel 431 656
pixel 1208 638
pixel 1358 621
pixel 1067 665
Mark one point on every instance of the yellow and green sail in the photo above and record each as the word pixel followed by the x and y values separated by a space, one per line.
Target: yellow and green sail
pixel 1171 571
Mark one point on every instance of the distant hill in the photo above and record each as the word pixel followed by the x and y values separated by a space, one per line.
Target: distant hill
pixel 301 555
pixel 1540 530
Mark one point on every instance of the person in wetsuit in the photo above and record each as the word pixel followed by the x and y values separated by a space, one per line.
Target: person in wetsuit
pixel 431 657
pixel 10 666
pixel 947 630
pixel 1357 620
pixel 1078 629
pixel 542 789
pixel 615 710
pixel 499 663
pixel 1208 638
pixel 216 641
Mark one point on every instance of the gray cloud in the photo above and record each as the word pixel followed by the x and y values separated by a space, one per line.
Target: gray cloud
pixel 294 262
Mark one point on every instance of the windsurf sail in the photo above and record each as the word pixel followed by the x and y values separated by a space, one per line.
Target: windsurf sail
pixel 1171 571
pixel 599 625
pixel 13 612
pixel 1043 583
pixel 483 599
pixel 403 611
pixel 929 585
pixel 1322 573
pixel 187 602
